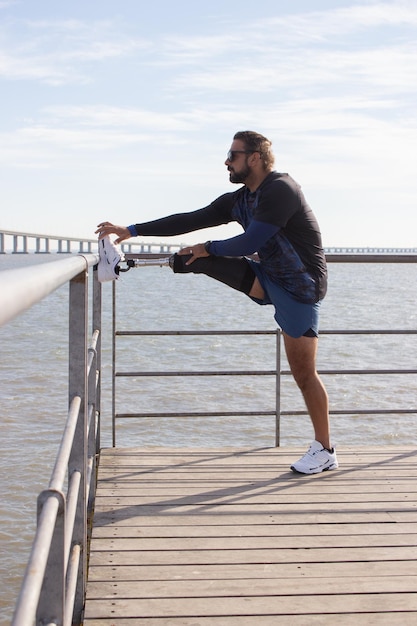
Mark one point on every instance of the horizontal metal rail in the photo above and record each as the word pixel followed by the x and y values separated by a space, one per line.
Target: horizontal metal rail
pixel 23 287
pixel 170 333
pixel 370 257
pixel 197 414
pixel 202 373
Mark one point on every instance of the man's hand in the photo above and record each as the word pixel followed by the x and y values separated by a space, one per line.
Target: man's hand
pixel 197 251
pixel 107 228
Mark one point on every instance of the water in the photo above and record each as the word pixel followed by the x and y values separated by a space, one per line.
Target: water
pixel 33 374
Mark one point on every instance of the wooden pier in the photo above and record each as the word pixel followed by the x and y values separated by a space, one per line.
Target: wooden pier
pixel 233 538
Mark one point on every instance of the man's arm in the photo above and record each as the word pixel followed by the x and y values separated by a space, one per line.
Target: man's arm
pixel 241 245
pixel 216 213
pixel 247 243
pixel 181 223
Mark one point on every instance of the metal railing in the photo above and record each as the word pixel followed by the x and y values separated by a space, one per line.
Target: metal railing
pixel 277 373
pixel 53 588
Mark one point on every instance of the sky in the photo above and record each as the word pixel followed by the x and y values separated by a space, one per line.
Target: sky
pixel 124 110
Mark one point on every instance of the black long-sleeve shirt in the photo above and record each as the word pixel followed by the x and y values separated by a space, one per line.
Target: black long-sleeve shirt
pixel 278 224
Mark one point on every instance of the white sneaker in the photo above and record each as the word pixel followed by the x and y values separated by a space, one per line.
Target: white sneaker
pixel 110 257
pixel 316 460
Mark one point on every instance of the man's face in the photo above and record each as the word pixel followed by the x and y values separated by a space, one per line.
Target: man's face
pixel 237 162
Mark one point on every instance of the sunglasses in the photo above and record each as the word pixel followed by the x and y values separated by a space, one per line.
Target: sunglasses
pixel 232 154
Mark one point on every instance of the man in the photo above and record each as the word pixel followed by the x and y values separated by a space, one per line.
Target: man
pixel 290 272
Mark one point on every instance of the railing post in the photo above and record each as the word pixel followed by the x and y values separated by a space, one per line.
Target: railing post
pixel 94 397
pixel 113 365
pixel 97 314
pixel 78 320
pixel 278 389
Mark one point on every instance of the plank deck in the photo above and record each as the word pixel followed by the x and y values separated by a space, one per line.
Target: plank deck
pixel 233 537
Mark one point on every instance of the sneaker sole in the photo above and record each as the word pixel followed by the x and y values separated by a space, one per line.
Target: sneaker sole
pixel 318 471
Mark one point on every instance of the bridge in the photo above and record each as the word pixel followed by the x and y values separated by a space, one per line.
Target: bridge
pixel 15 242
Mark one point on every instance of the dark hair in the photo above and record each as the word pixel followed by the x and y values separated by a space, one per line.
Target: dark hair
pixel 257 143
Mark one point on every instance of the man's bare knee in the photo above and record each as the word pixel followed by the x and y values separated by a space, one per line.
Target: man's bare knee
pixel 301 355
pixel 257 290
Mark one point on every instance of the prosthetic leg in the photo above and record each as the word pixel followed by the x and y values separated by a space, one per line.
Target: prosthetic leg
pixel 235 272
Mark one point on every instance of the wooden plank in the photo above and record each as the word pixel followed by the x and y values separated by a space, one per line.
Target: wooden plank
pixel 308 542
pixel 250 587
pixel 250 530
pixel 255 571
pixel 176 485
pixel 126 508
pixel 347 619
pixel 248 605
pixel 282 555
pixel 122 517
pixel 225 495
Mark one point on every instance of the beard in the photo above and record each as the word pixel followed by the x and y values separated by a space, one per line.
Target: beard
pixel 240 176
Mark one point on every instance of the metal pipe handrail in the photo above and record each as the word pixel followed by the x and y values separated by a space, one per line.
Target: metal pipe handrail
pixel 73 493
pixel 21 288
pixel 71 583
pixel 35 571
pixel 187 414
pixel 60 468
pixel 202 373
pixel 380 412
pixel 137 374
pixel 346 331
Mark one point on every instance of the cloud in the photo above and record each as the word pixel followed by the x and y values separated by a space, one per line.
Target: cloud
pixel 61 52
pixel 289 31
pixel 85 136
pixel 116 117
pixel 308 49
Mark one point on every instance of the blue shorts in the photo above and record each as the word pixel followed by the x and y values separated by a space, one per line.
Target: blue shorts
pixel 294 318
